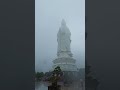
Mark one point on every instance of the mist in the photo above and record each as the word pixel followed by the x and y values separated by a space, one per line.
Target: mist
pixel 48 17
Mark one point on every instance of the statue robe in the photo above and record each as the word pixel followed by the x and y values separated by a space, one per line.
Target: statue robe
pixel 63 38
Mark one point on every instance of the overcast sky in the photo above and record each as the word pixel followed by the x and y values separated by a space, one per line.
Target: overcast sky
pixel 48 16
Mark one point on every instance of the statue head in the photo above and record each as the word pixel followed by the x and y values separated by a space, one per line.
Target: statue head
pixel 63 23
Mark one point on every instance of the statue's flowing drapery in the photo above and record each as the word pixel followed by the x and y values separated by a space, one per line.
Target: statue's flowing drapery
pixel 63 38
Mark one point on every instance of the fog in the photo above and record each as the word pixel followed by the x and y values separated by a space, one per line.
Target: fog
pixel 48 16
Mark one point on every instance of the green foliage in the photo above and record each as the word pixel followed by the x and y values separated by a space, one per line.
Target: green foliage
pixel 56 74
pixel 39 75
pixel 47 74
pixel 57 70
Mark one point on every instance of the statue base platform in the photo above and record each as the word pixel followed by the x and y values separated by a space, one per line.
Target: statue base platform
pixel 68 67
pixel 65 63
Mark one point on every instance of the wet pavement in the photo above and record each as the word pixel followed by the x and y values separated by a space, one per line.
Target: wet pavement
pixel 73 86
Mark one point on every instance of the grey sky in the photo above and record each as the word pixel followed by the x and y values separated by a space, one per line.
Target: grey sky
pixel 48 16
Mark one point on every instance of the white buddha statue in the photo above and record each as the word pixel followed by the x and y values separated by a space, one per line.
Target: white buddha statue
pixel 63 39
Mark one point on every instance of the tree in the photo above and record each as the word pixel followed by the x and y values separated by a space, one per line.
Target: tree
pixel 56 75
pixel 57 71
pixel 48 74
pixel 39 75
